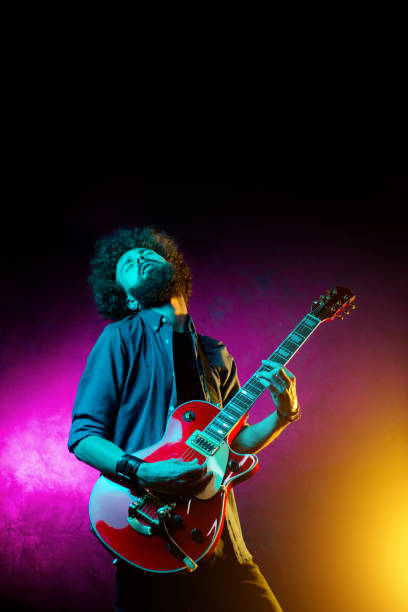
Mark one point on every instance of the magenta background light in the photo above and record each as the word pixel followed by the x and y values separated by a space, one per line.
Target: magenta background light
pixel 330 495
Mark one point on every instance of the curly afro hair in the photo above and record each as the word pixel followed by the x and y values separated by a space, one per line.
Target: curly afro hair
pixel 109 295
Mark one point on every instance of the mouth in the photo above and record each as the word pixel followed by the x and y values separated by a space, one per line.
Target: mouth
pixel 146 266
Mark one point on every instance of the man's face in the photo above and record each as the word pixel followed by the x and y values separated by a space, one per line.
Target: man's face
pixel 135 266
pixel 147 277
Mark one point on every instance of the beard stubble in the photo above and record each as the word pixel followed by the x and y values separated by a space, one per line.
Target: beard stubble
pixel 162 282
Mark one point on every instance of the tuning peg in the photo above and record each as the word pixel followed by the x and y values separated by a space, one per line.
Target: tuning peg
pixel 347 312
pixel 340 317
pixel 353 307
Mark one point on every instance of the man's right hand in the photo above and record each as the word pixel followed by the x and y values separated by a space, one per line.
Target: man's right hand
pixel 175 477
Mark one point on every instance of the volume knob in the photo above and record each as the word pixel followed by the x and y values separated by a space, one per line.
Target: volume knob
pixel 197 535
pixel 233 465
pixel 177 521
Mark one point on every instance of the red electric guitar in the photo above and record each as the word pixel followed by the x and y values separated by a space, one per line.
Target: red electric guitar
pixel 160 534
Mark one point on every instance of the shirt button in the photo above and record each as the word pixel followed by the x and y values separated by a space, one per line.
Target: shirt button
pixel 166 341
pixel 164 319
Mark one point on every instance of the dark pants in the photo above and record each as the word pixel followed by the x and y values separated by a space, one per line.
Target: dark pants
pixel 220 584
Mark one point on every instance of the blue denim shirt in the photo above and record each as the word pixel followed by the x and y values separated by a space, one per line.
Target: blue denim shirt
pixel 128 390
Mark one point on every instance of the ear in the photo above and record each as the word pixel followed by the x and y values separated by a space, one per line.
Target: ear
pixel 132 304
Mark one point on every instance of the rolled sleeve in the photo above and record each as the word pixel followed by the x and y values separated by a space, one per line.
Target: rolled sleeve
pixel 99 390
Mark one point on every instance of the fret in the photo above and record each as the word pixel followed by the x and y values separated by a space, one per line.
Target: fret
pixel 244 399
pixel 226 420
pixel 234 410
pixel 214 433
pixel 240 401
pixel 220 424
pixel 278 358
pixel 282 352
pixel 255 385
pixel 221 420
pixel 250 395
pixel 290 346
pixel 222 432
pixel 311 321
pixel 303 331
pixel 235 413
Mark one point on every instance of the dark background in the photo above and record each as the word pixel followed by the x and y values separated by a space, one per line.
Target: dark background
pixel 67 192
pixel 301 216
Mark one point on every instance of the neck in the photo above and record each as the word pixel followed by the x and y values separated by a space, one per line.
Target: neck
pixel 176 312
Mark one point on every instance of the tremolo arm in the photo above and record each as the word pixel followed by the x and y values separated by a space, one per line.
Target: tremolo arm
pixel 157 526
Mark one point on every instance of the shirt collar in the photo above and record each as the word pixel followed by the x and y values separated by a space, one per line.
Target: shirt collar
pixel 155 320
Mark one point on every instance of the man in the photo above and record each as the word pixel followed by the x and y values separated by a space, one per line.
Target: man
pixel 145 364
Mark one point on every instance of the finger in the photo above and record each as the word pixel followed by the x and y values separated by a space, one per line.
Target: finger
pixel 195 485
pixel 202 482
pixel 273 366
pixel 271 377
pixel 276 387
pixel 278 368
pixel 206 477
pixel 192 463
pixel 264 381
pixel 192 470
pixel 193 475
pixel 182 462
pixel 270 383
pixel 287 375
pixel 283 376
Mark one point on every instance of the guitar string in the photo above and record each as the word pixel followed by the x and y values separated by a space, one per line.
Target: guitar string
pixel 149 507
pixel 190 454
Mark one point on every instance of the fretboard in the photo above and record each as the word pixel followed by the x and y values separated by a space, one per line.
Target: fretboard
pixel 245 398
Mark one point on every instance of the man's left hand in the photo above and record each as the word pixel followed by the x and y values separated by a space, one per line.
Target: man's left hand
pixel 282 386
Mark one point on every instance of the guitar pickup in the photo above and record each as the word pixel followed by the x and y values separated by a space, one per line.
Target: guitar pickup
pixel 203 443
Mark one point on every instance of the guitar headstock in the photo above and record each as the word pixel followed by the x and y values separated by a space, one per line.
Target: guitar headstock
pixel 333 304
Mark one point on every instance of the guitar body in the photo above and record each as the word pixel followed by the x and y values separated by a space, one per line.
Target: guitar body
pixel 160 534
pixel 195 524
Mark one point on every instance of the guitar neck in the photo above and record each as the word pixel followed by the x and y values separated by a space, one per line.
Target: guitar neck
pixel 246 397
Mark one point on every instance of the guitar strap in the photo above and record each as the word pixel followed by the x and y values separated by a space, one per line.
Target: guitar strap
pixel 209 382
pixel 232 522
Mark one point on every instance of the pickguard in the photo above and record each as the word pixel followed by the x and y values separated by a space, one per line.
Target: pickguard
pixel 217 464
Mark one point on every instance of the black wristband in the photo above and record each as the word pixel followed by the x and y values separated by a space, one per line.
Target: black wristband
pixel 126 468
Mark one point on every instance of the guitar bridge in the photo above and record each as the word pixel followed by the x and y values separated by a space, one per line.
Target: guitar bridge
pixel 203 443
pixel 157 526
pixel 150 524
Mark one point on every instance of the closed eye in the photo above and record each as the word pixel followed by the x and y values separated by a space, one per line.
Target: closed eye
pixel 128 264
